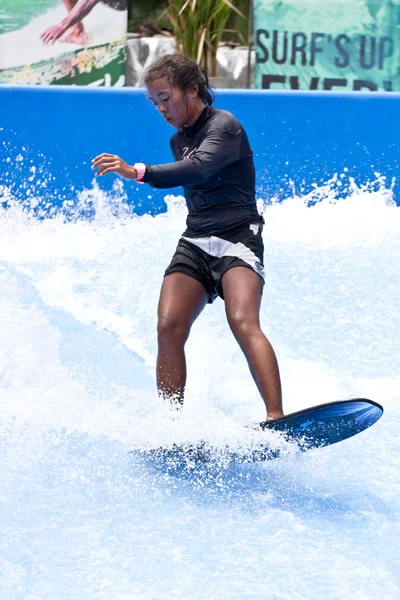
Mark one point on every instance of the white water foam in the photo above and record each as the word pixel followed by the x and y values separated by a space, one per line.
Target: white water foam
pixel 83 518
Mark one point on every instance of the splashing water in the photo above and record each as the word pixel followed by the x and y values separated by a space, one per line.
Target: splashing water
pixel 82 517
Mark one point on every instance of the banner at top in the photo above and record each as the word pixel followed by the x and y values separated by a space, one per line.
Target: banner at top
pixel 321 45
pixel 79 42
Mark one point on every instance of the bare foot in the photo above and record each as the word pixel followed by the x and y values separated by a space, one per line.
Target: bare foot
pixel 75 35
pixel 274 416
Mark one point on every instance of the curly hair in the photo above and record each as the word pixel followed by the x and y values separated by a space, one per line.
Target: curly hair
pixel 182 72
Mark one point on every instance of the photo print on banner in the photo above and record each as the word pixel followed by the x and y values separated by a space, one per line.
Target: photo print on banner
pixel 78 42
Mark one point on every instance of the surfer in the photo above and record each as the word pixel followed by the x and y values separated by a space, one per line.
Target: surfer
pixel 221 251
pixel 72 25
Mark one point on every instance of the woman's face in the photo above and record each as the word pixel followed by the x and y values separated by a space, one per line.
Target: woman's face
pixel 177 108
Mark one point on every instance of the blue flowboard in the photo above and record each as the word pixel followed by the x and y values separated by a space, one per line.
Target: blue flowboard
pixel 311 428
pixel 327 424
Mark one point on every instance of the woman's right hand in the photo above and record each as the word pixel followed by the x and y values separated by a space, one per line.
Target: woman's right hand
pixel 111 163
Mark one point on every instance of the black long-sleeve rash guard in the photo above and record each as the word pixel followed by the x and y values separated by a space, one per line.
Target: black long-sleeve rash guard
pixel 216 170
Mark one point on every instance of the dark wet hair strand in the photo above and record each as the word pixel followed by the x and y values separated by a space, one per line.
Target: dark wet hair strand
pixel 182 72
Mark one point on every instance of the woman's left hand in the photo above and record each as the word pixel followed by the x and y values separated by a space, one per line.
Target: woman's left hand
pixel 111 163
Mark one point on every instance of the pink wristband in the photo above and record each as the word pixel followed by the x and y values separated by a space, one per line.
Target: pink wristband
pixel 141 170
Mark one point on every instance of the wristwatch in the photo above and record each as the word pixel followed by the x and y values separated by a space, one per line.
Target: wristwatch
pixel 141 170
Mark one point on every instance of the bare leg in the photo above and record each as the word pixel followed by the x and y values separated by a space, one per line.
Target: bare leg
pixel 182 299
pixel 75 34
pixel 242 289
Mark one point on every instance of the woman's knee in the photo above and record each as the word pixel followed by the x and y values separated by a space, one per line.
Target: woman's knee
pixel 242 325
pixel 172 330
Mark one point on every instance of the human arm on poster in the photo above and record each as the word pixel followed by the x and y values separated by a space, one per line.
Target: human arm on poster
pixel 76 13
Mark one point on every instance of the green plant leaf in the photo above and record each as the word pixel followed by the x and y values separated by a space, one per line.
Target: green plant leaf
pixel 234 8
pixel 201 45
pixel 198 27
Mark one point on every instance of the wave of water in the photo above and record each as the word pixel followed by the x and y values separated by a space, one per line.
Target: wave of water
pixel 81 517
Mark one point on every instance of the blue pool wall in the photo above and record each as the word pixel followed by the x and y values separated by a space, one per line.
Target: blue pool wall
pixel 301 140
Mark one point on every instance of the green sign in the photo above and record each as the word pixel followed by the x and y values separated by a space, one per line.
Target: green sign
pixel 340 45
pixel 78 42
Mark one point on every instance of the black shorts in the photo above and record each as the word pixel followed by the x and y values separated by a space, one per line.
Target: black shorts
pixel 208 258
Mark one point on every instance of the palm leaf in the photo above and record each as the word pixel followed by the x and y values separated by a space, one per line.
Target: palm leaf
pixel 198 27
